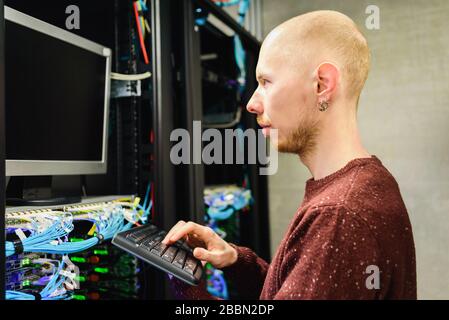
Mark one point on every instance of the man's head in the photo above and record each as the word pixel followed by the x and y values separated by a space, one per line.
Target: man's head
pixel 310 61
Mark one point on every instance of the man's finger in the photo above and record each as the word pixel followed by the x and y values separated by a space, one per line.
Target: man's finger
pixel 206 256
pixel 202 254
pixel 172 231
pixel 202 232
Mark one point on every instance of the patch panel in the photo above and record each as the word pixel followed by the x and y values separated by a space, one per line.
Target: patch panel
pixel 101 266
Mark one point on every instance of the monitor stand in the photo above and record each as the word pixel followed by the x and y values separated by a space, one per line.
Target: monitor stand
pixel 34 191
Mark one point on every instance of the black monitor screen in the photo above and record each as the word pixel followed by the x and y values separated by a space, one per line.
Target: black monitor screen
pixel 55 95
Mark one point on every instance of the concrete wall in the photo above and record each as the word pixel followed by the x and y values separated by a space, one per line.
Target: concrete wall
pixel 404 120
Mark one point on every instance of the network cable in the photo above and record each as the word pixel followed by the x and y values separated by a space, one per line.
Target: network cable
pixel 62 225
pixel 130 77
pixel 223 202
pixel 120 216
pixel 54 290
pixel 106 228
pixel 239 52
pixel 140 30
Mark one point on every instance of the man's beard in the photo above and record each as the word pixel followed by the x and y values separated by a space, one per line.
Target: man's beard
pixel 300 141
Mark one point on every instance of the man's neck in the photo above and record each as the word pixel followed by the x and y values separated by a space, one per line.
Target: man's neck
pixel 335 147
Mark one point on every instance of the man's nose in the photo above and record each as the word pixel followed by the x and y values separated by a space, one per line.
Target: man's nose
pixel 254 105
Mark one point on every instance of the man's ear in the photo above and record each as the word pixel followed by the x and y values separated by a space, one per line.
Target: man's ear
pixel 326 77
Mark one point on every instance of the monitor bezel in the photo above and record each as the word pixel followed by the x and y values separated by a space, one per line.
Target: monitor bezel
pixel 31 167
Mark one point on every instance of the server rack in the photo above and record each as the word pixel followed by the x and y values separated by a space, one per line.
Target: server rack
pixel 2 154
pixel 192 180
pixel 254 227
pixel 129 164
pixel 175 102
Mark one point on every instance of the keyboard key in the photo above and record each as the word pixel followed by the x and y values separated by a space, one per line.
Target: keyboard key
pixel 169 254
pixel 159 249
pixel 143 231
pixel 149 243
pixel 152 241
pixel 180 258
pixel 182 244
pixel 190 265
pixel 198 272
pixel 141 235
pixel 133 237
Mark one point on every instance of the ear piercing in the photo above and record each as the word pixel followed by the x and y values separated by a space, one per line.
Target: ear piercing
pixel 323 105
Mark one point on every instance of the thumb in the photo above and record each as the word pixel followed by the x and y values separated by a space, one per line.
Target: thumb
pixel 202 254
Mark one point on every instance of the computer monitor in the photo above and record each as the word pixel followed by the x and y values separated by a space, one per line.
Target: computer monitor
pixel 57 99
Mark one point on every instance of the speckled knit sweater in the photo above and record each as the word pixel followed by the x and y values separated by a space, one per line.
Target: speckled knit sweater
pixel 351 226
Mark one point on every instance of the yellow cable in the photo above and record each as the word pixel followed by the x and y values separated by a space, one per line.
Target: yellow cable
pixel 92 230
pixel 147 26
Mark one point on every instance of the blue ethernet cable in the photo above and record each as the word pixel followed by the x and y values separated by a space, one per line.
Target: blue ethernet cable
pixel 239 52
pixel 143 5
pixel 57 230
pixel 105 229
pixel 147 194
pixel 41 242
pixel 54 284
pixel 221 208
pixel 218 285
pixel 146 211
pixel 228 3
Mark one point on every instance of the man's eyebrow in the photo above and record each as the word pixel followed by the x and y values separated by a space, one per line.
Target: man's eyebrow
pixel 261 75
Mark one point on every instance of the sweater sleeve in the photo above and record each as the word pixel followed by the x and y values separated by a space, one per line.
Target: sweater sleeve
pixel 247 275
pixel 330 255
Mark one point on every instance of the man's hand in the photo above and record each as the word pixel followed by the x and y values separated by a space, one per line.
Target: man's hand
pixel 209 247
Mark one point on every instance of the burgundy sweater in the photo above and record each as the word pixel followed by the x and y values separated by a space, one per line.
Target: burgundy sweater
pixel 351 226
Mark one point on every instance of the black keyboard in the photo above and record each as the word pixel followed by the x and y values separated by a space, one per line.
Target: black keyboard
pixel 177 259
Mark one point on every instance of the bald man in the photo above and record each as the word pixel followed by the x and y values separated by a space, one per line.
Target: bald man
pixel 351 237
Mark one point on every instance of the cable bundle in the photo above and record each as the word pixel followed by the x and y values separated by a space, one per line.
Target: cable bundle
pixel 109 220
pixel 40 239
pixel 54 290
pixel 49 233
pixel 239 52
pixel 222 202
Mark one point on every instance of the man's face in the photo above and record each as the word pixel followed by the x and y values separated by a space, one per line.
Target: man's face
pixel 285 100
